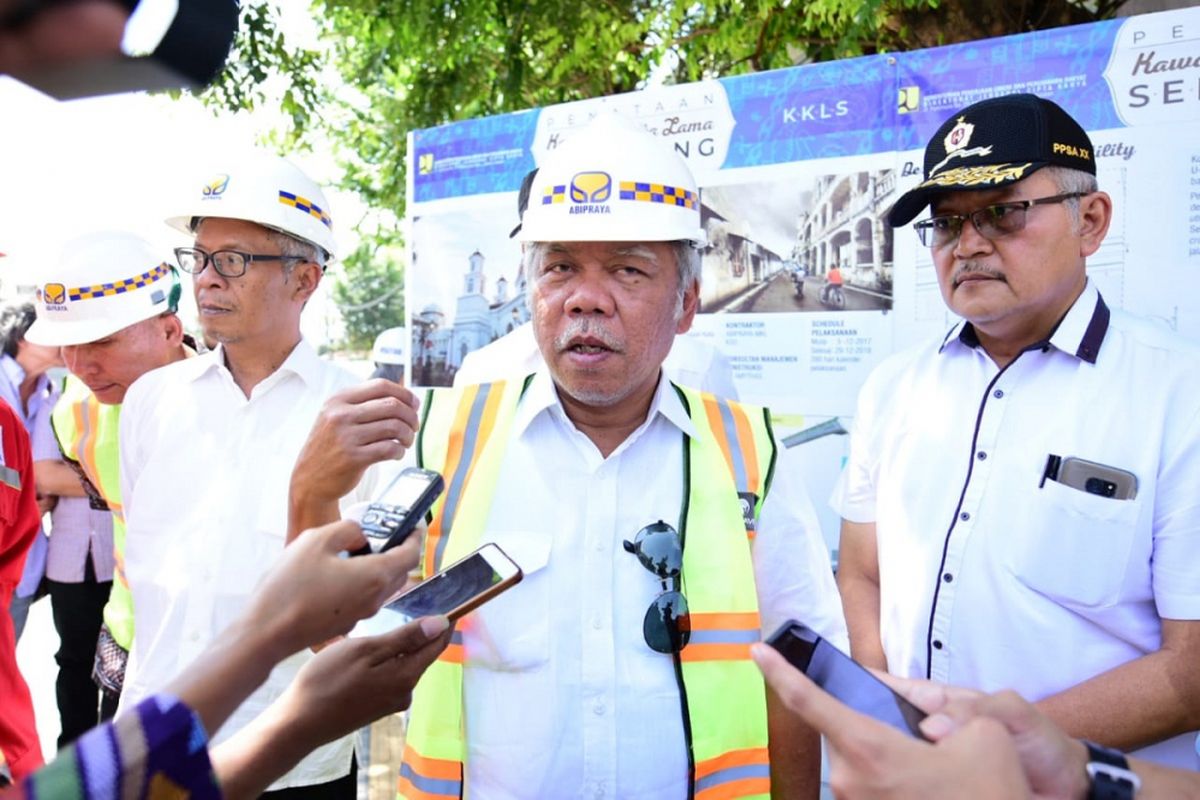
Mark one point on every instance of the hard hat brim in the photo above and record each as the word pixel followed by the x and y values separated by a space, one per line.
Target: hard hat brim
pixel 61 334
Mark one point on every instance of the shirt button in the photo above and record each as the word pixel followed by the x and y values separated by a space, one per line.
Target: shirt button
pixel 964 516
pixel 998 394
pixel 947 577
pixel 598 709
pixel 937 644
pixel 982 456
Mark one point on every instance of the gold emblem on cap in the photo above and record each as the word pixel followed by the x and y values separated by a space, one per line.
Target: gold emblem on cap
pixel 988 174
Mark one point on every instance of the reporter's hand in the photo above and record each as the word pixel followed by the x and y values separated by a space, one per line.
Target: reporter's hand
pixel 346 686
pixel 357 427
pixel 1053 763
pixel 354 682
pixel 869 759
pixel 314 593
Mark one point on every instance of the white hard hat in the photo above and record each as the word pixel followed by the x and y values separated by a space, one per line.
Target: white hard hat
pixel 102 282
pixel 613 182
pixel 391 347
pixel 265 189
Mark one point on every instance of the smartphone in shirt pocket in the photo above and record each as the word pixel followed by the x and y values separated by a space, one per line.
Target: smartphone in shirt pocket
pixel 1098 479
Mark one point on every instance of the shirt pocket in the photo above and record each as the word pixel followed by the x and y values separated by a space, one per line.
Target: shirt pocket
pixel 1075 547
pixel 512 631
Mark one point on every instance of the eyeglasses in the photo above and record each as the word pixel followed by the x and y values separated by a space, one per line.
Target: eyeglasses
pixel 992 222
pixel 230 263
pixel 667 626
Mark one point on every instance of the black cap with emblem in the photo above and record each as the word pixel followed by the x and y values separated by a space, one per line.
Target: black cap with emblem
pixel 994 143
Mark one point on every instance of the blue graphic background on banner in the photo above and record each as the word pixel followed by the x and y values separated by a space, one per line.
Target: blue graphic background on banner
pixel 816 111
pixel 841 108
pixel 1065 65
pixel 476 156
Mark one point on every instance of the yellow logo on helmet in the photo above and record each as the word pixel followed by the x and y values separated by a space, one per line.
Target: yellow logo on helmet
pixel 591 187
pixel 216 187
pixel 54 294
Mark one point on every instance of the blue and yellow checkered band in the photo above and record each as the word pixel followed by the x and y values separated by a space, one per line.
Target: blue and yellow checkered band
pixel 657 193
pixel 554 194
pixel 119 287
pixel 305 205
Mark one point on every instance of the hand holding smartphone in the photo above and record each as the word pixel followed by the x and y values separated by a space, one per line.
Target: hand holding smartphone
pixel 845 678
pixel 458 589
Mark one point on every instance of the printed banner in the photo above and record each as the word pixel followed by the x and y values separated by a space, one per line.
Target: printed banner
pixel 797 169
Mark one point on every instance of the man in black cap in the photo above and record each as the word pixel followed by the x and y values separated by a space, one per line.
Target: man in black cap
pixel 1020 506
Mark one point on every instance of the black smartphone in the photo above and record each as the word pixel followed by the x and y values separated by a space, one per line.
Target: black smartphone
pixel 461 587
pixel 845 678
pixel 389 520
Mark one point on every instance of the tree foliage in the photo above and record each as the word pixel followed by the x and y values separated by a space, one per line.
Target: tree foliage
pixel 408 64
pixel 373 299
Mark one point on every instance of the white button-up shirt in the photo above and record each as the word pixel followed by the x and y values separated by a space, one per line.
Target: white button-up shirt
pixel 992 578
pixel 204 474
pixel 563 696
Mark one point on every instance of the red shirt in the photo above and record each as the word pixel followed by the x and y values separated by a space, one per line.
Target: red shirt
pixel 19 522
pixel 835 276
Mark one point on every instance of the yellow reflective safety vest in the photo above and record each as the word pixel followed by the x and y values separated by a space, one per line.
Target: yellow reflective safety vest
pixel 729 463
pixel 87 433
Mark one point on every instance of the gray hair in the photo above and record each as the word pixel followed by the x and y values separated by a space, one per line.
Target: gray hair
pixel 1072 181
pixel 291 246
pixel 688 264
pixel 15 320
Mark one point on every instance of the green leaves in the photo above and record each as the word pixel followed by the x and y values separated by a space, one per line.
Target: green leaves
pixel 385 67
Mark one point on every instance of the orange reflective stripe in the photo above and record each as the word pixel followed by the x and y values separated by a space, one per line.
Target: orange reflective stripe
pixel 715 652
pixel 738 773
pixel 439 768
pixel 748 620
pixel 80 424
pixel 424 778
pixel 749 451
pixel 119 568
pixel 91 436
pixel 454 454
pixel 713 411
pixel 474 420
pixel 453 654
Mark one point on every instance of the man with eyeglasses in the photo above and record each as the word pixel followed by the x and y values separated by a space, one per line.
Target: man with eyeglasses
pixel 208 445
pixel 1019 506
pixel 657 533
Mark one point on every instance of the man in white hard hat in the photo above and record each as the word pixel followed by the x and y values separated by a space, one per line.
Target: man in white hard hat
pixel 390 354
pixel 690 361
pixel 208 445
pixel 109 302
pixel 619 666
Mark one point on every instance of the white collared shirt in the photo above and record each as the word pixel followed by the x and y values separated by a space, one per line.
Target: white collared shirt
pixel 992 579
pixel 563 696
pixel 204 474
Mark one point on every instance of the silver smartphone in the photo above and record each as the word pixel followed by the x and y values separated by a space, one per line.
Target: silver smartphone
pixel 1098 479
pixel 458 589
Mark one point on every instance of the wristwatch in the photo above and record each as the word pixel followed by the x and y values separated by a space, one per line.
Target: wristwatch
pixel 1109 776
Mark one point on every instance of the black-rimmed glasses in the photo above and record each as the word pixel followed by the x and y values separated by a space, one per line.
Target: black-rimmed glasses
pixel 666 626
pixel 230 263
pixel 992 222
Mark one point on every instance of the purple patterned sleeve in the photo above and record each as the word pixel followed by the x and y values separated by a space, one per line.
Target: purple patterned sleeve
pixel 158 749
